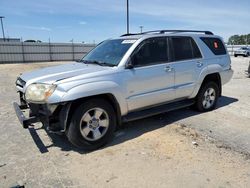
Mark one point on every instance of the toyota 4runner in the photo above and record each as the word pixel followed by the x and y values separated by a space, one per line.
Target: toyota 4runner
pixel 124 79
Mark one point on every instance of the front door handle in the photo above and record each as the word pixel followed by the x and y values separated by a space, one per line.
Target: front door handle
pixel 168 69
pixel 199 64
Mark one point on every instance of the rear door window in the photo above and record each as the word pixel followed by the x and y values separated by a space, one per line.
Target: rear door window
pixel 215 45
pixel 185 48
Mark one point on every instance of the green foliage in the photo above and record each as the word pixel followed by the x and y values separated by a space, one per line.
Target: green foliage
pixel 239 39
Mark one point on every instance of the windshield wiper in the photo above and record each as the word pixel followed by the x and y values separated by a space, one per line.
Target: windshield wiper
pixel 97 63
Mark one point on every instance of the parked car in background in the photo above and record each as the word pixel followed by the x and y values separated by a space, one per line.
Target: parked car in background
pixel 33 41
pixel 243 51
pixel 123 79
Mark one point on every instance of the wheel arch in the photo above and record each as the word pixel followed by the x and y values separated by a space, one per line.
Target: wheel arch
pixel 106 96
pixel 215 77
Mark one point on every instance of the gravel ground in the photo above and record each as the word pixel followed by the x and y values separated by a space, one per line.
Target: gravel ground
pixel 177 149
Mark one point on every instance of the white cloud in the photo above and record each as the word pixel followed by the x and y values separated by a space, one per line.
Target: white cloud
pixel 82 23
pixel 41 28
pixel 62 27
pixel 37 28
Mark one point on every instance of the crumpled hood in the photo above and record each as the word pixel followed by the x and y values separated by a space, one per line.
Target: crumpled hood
pixel 56 73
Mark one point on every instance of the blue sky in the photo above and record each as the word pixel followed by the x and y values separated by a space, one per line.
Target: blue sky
pixel 89 20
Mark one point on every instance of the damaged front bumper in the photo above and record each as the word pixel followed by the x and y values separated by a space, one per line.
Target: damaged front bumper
pixel 54 117
pixel 25 122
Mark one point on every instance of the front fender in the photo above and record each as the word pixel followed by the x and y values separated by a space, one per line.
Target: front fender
pixel 97 88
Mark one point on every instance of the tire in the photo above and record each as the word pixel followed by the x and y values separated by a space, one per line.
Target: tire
pixel 86 130
pixel 235 55
pixel 207 97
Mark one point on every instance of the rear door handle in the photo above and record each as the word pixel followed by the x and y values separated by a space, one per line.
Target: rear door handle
pixel 168 69
pixel 199 64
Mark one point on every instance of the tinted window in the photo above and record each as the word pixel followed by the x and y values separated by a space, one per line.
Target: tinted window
pixel 152 51
pixel 215 45
pixel 196 50
pixel 185 48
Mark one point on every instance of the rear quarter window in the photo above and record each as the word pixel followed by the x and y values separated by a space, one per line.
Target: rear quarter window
pixel 185 48
pixel 215 45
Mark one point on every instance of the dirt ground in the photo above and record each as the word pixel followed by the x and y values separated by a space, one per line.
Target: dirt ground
pixel 176 149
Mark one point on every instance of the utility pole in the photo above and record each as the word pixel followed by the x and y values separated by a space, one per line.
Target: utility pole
pixel 247 40
pixel 141 27
pixel 1 17
pixel 127 16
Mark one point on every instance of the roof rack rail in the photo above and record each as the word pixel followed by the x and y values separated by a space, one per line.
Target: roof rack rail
pixel 168 31
pixel 179 31
pixel 130 34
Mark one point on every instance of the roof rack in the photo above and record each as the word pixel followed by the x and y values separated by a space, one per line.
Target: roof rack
pixel 170 31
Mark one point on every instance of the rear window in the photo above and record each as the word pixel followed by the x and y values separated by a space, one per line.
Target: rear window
pixel 185 48
pixel 215 45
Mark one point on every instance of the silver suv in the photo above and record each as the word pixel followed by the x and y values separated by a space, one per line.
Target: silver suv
pixel 124 79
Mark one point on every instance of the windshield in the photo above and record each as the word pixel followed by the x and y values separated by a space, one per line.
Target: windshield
pixel 243 48
pixel 109 52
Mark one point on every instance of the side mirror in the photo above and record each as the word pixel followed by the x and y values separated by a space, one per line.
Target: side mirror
pixel 129 64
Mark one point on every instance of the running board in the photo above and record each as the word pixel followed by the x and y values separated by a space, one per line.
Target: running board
pixel 140 114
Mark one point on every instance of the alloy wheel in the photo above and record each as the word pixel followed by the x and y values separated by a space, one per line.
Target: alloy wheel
pixel 94 124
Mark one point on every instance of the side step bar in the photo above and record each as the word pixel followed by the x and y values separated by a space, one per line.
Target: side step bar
pixel 157 110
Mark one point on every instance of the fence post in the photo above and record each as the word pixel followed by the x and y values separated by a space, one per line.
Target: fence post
pixel 73 51
pixel 50 52
pixel 23 51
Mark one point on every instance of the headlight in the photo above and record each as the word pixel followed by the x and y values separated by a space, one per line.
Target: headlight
pixel 39 92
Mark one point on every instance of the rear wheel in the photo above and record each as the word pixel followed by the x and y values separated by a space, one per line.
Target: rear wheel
pixel 207 97
pixel 93 124
pixel 235 55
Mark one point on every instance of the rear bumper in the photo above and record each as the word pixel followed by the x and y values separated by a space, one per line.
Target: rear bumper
pixel 25 122
pixel 226 76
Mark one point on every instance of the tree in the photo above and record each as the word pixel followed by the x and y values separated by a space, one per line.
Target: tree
pixel 239 39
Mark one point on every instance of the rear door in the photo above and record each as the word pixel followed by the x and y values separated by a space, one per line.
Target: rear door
pixel 187 63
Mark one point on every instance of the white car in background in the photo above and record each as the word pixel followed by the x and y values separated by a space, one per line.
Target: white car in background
pixel 243 51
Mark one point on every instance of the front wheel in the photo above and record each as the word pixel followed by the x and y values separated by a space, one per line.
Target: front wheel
pixel 207 97
pixel 92 125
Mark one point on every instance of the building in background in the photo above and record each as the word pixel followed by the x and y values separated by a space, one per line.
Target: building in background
pixel 10 40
